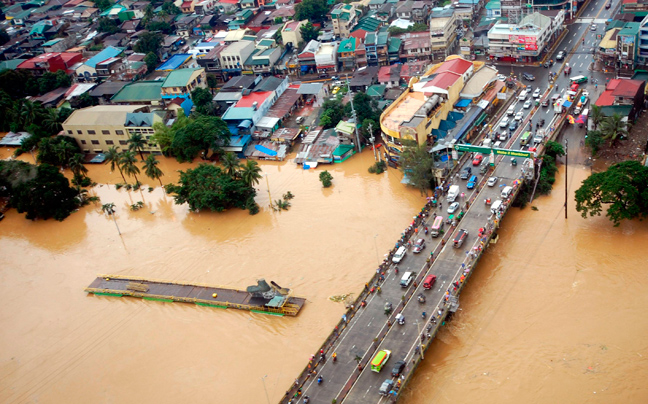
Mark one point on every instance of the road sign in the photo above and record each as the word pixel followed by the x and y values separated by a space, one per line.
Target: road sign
pixel 487 150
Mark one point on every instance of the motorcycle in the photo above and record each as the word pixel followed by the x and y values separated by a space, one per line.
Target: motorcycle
pixel 421 298
pixel 320 380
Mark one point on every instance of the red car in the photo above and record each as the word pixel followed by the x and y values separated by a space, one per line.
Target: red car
pixel 477 161
pixel 574 87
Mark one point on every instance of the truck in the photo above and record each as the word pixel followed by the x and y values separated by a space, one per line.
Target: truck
pixel 459 239
pixel 453 192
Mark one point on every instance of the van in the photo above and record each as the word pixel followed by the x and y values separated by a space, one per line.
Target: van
pixel 495 207
pixel 400 254
pixel 437 226
pixel 429 282
pixel 523 95
pixel 578 79
pixel 459 239
pixel 487 143
pixel 407 278
pixel 506 192
pixel 554 98
pixel 510 110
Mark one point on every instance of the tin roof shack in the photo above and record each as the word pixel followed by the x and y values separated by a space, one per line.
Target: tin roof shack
pixel 363 78
pixel 286 136
pixel 317 147
pixel 267 150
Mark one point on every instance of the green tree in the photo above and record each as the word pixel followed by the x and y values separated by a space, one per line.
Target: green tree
pixel 594 140
pixel 77 166
pixel 201 134
pixel 554 149
pixel 364 129
pixel 109 209
pixel 278 20
pixel 30 112
pixel 365 107
pixel 127 160
pixel 148 15
pixel 151 61
pixel 152 170
pixel 623 187
pixel 149 42
pixel 102 5
pixel 164 135
pixel 308 32
pixel 18 83
pixel 332 113
pixel 250 173
pixel 202 98
pixel 136 143
pixel 231 164
pixel 84 100
pixel 50 121
pixel 161 26
pixel 209 187
pixel 41 192
pixel 326 178
pixel 4 37
pixel 170 9
pixel 57 150
pixel 212 83
pixel 312 10
pixel 7 111
pixel 112 157
pixel 62 79
pixel 417 163
pixel 107 25
pixel 614 128
pixel 596 116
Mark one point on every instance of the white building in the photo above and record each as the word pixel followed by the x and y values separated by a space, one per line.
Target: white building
pixel 523 42
pixel 326 57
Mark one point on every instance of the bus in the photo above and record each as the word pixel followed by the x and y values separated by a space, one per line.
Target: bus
pixel 379 360
pixel 437 226
pixel 524 140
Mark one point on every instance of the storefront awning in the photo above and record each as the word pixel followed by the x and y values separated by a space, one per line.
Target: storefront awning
pixel 463 103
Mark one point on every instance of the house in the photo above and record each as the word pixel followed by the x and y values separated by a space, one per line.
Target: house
pixel 624 92
pixel 57 45
pixel 98 128
pixel 420 11
pixel 139 93
pixel 233 90
pixel 227 6
pixel 261 61
pixel 307 56
pixel 376 45
pixel 180 83
pixel 211 62
pixel 186 24
pixel 51 62
pixel 187 6
pixel 326 58
pixel 344 17
pixel 389 76
pixel 291 33
pixel 493 9
pixel 376 4
pixel 347 53
pixel 365 26
pixel 404 11
pixel 363 78
pixel 130 26
pixel 233 57
pixel 88 70
pixel 416 46
pixel 106 90
pixel 205 7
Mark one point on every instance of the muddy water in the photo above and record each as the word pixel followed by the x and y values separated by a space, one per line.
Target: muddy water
pixel 555 313
pixel 59 345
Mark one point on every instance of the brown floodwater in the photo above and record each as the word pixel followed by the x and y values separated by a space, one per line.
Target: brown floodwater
pixel 554 313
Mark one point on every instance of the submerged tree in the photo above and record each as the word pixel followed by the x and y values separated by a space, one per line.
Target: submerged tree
pixel 152 170
pixel 417 163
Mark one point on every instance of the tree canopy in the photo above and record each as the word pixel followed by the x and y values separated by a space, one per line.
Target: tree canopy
pixel 57 151
pixel 149 42
pixel 623 188
pixel 202 98
pixel 209 187
pixel 312 10
pixel 108 25
pixel 417 164
pixel 201 134
pixel 308 32
pixel 417 27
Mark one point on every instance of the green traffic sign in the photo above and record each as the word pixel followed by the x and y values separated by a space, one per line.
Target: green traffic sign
pixel 487 150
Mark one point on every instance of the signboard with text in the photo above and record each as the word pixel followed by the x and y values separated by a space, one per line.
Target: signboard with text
pixel 488 150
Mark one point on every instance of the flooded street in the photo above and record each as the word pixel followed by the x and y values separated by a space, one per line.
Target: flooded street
pixel 554 312
pixel 60 345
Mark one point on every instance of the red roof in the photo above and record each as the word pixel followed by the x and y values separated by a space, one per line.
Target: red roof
pixel 605 99
pixel 248 100
pixel 629 1
pixel 627 88
pixel 229 1
pixel 458 65
pixel 384 73
pixel 186 4
pixel 612 84
pixel 443 80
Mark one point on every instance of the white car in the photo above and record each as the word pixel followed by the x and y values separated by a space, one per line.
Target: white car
pixel 501 77
pixel 453 208
pixel 536 93
pixel 504 122
pixel 492 181
pixel 527 104
pixel 593 27
pixel 585 93
pixel 519 116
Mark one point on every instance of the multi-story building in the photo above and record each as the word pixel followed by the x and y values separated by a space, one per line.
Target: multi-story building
pixel 347 53
pixel 326 58
pixel 51 62
pixel 344 17
pixel 416 46
pixel 180 83
pixel 262 61
pixel 88 70
pixel 232 57
pixel 420 11
pixel 98 128
pixel 642 51
pixel 211 62
pixel 291 33
pixel 627 39
pixel 377 47
pixel 522 42
pixel 443 35
pixel 307 56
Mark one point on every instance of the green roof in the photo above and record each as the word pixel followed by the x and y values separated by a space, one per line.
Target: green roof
pixel 345 127
pixel 630 28
pixel 40 27
pixel 11 64
pixel 368 24
pixel 377 90
pixel 179 78
pixel 394 45
pixel 615 24
pixel 493 5
pixel 610 110
pixel 139 91
pixel 52 42
pixel 347 45
pixel 266 42
pixel 238 113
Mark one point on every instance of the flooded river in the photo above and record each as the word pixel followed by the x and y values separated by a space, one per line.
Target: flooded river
pixel 554 312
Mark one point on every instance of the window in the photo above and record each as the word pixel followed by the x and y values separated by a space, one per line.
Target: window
pixel 95 141
pixel 69 132
pixel 91 132
pixel 123 142
pixel 119 132
pixel 109 142
pixel 79 132
pixel 83 142
pixel 105 132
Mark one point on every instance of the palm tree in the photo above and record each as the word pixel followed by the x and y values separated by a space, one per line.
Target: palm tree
pixel 29 112
pixel 127 160
pixel 250 173
pixel 137 143
pixel 231 164
pixel 152 170
pixel 112 156
pixel 613 128
pixel 64 151
pixel 50 121
pixel 597 116
pixel 109 208
pixel 77 167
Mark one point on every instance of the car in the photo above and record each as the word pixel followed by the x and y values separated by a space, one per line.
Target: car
pixel 465 173
pixel 579 79
pixel 335 77
pixel 574 87
pixel 386 387
pixel 453 208
pixel 527 104
pixel 608 5
pixel 545 102
pixel 478 159
pixel 593 27
pixel 335 90
pixel 513 126
pixel 568 69
pixel 491 181
pixel 501 77
pixel 536 93
pixel 398 368
pixel 504 122
pixel 472 182
pixel 299 120
pixel 519 116
pixel 418 246
pixel 561 55
pixel 528 76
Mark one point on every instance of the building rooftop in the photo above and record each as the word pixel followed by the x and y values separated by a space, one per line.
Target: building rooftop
pixel 107 53
pixel 174 62
pixel 404 111
pixel 180 77
pixel 457 65
pixel 109 115
pixel 627 88
pixel 248 100
pixel 347 45
pixel 108 88
pixel 139 91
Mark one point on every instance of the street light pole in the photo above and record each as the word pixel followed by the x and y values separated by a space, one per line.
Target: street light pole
pixel 566 148
pixel 418 326
pixel 264 388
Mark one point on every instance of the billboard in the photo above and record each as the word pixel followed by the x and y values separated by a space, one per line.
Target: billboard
pixel 524 42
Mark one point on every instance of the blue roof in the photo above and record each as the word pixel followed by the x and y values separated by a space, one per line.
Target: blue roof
pixel 265 150
pixel 446 125
pixel 474 113
pixel 109 52
pixel 240 141
pixel 174 62
pixel 463 103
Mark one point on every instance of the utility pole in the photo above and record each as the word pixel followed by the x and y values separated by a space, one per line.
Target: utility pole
pixel 419 333
pixel 372 139
pixel 268 184
pixel 566 178
pixel 353 113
